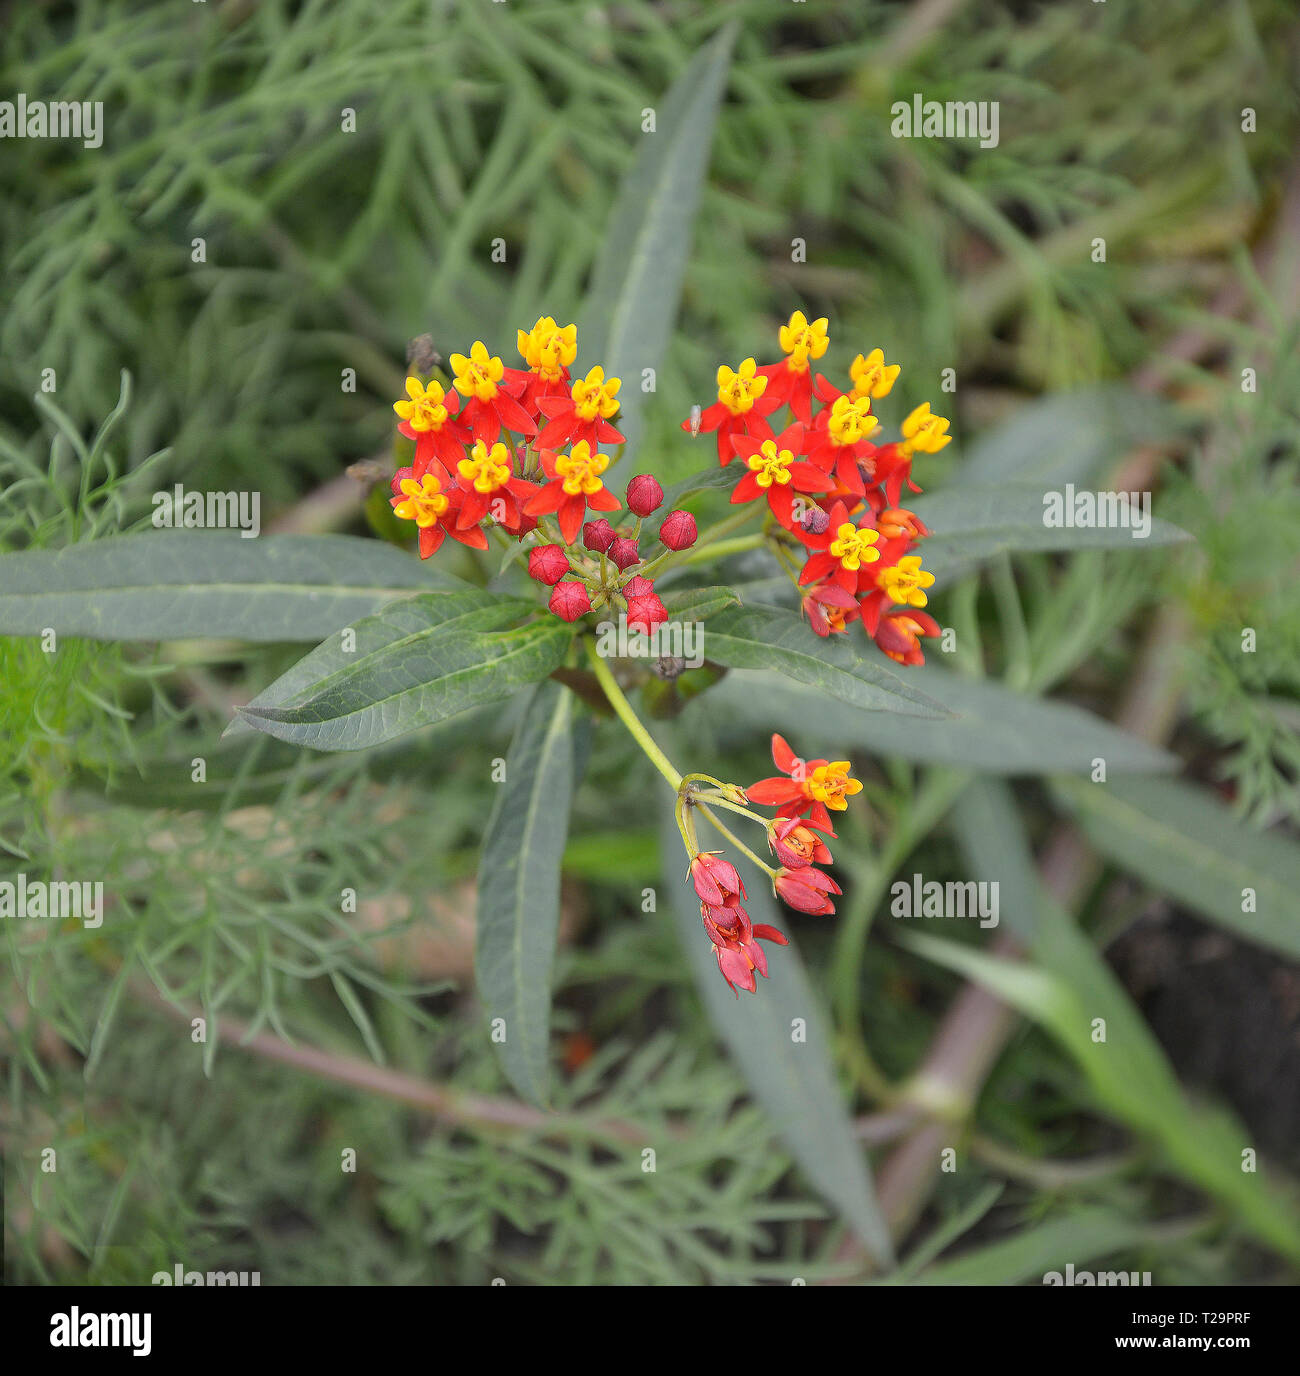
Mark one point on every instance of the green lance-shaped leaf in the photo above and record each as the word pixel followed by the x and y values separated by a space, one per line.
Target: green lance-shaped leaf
pixel 772 638
pixel 173 585
pixel 1080 1236
pixel 519 887
pixel 1067 437
pixel 425 659
pixel 988 727
pixel 970 526
pixel 637 282
pixel 781 1042
pixel 349 646
pixel 1178 838
pixel 1067 987
pixel 698 604
pixel 1128 1072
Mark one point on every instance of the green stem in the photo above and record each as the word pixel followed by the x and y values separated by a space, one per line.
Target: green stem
pixel 629 718
pixel 715 801
pixel 788 567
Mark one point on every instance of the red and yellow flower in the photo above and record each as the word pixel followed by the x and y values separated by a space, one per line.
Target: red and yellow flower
pixel 924 431
pixel 840 442
pixel 548 349
pixel 431 501
pixel 906 581
pixel 897 523
pixel 426 418
pixel 807 889
pixel 796 845
pixel 739 410
pixel 717 881
pixel 573 484
pixel 897 580
pixel 790 382
pixel 490 397
pixel 582 416
pixel 805 788
pixel 872 376
pixel 830 608
pixel 843 553
pixel 777 473
pixel 735 945
pixel 899 634
pixel 486 476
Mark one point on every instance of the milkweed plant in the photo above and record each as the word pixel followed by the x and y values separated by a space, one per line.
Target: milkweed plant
pixel 523 454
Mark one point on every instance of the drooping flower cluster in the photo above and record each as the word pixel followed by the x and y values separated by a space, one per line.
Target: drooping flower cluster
pixel 833 483
pixel 519 449
pixel 804 793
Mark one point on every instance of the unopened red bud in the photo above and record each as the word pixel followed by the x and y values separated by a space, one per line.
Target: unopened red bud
pixel 678 530
pixel 598 535
pixel 570 600
pixel 547 563
pixel 624 553
pixel 716 880
pixel 807 889
pixel 638 587
pixel 645 613
pixel 815 521
pixel 644 495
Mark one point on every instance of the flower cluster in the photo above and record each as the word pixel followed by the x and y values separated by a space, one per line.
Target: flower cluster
pixel 832 484
pixel 519 450
pixel 521 453
pixel 804 793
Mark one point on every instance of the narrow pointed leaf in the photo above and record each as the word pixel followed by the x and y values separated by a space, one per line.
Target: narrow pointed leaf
pixel 1179 839
pixel 698 604
pixel 1066 988
pixel 1080 1236
pixel 1067 437
pixel 988 727
pixel 637 281
pixel 971 526
pixel 519 886
pixel 425 661
pixel 1128 1072
pixel 350 646
pixel 172 585
pixel 772 638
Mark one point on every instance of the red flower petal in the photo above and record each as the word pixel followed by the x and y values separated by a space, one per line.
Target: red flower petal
pixel 782 756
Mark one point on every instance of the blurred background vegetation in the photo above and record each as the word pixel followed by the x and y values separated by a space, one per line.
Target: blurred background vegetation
pixel 326 251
